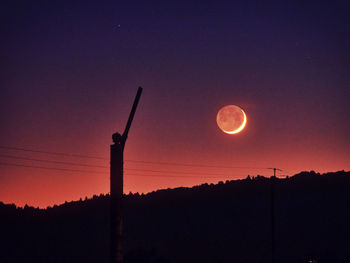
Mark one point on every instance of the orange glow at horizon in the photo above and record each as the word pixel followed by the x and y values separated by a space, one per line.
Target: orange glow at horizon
pixel 40 188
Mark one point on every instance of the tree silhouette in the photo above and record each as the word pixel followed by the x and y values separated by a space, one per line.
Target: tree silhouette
pixel 227 222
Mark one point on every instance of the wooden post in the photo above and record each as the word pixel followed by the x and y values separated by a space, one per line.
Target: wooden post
pixel 273 216
pixel 273 226
pixel 117 181
pixel 116 202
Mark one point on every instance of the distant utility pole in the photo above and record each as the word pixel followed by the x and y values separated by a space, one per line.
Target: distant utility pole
pixel 272 190
pixel 117 161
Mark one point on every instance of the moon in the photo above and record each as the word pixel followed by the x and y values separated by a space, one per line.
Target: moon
pixel 231 119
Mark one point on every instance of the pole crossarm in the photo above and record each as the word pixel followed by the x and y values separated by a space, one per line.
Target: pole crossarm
pixel 132 113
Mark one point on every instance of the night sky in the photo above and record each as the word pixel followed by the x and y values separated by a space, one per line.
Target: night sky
pixel 70 71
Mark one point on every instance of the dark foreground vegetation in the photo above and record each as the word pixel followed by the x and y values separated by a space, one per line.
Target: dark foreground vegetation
pixel 227 222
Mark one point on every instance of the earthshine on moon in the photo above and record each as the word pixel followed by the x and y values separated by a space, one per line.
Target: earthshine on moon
pixel 231 119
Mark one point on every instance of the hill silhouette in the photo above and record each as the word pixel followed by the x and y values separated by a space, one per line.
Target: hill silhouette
pixel 226 222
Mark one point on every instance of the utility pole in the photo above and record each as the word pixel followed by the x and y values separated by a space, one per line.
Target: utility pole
pixel 272 200
pixel 116 184
pixel 273 216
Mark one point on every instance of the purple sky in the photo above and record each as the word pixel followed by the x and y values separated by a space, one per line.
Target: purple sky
pixel 70 71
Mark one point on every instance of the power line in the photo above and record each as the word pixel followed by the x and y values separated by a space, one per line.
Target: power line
pixel 52 153
pixel 172 172
pixel 98 166
pixel 94 172
pixel 181 176
pixel 49 161
pixel 134 161
pixel 198 165
pixel 48 168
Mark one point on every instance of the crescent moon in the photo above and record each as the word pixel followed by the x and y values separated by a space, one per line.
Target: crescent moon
pixel 241 127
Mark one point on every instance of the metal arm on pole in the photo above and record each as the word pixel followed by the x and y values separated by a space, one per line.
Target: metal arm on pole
pixel 132 113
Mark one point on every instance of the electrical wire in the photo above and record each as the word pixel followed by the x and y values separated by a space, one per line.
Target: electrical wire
pixel 133 161
pixel 49 161
pixel 98 166
pixel 94 172
pixel 49 168
pixel 52 153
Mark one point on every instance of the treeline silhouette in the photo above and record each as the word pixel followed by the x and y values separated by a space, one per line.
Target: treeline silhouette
pixel 226 222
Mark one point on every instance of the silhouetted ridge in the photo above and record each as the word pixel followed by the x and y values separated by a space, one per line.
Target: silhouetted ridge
pixel 225 222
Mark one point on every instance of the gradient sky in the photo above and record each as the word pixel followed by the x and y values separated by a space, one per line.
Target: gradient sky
pixel 70 71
